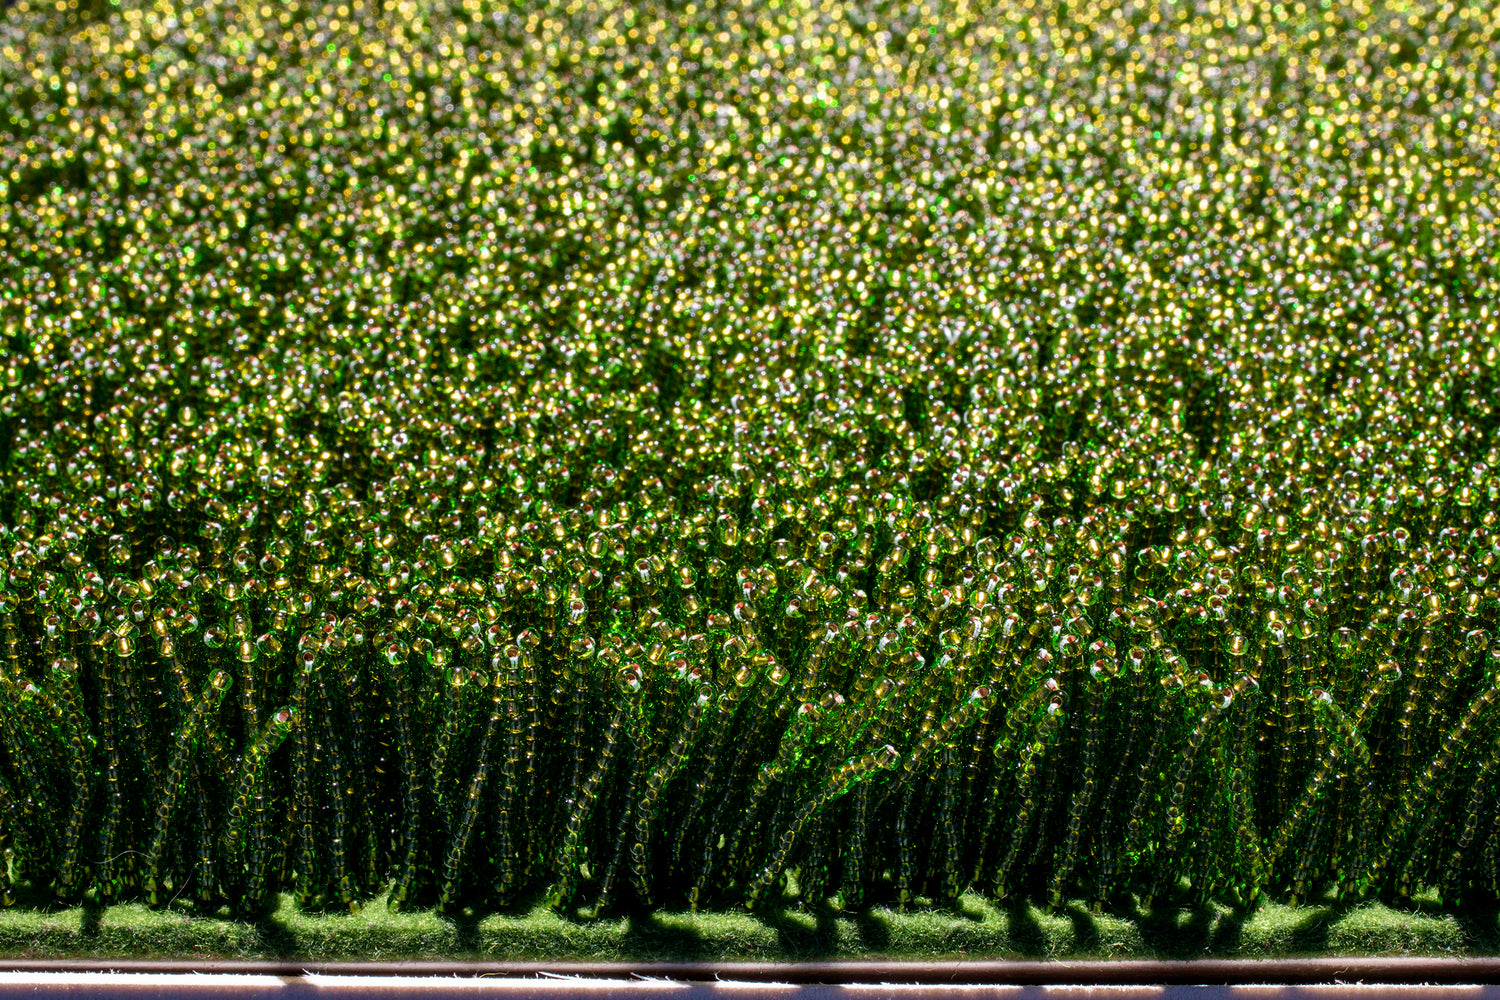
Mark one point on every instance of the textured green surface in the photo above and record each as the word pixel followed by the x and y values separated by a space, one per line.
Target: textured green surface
pixel 975 929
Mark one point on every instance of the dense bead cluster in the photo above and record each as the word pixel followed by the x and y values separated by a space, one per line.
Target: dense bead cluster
pixel 667 454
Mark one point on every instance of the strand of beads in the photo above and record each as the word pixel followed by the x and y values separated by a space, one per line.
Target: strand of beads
pixel 506 851
pixel 398 692
pixel 27 847
pixel 619 849
pixel 1136 831
pixel 1043 737
pixel 1350 744
pixel 949 880
pixel 657 781
pixel 13 828
pixel 812 871
pixel 794 743
pixel 357 784
pixel 1472 726
pixel 437 766
pixel 176 775
pixel 468 818
pixel 339 792
pixel 300 805
pixel 846 778
pixel 1246 852
pixel 1176 822
pixel 533 682
pixel 246 847
pixel 582 803
pixel 1103 669
pixel 1019 723
pixel 36 741
pixel 65 673
pixel 974 708
pixel 742 680
pixel 1140 698
pixel 1452 884
pixel 167 651
pixel 206 860
pixel 110 881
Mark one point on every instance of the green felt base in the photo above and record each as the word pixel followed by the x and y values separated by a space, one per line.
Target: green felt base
pixel 975 929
